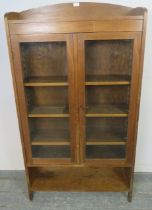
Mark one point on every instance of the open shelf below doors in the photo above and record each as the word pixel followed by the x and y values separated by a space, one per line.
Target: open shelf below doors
pixel 79 179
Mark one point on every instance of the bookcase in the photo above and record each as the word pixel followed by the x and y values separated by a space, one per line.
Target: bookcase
pixel 77 74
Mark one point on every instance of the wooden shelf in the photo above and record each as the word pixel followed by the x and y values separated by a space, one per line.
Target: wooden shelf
pixel 105 142
pixel 51 137
pixel 107 80
pixel 107 110
pixel 48 111
pixel 46 81
pixel 95 179
pixel 96 136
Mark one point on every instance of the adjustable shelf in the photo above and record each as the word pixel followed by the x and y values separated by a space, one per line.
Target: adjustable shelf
pixel 46 81
pixel 50 137
pixel 105 142
pixel 107 110
pixel 48 111
pixel 96 136
pixel 107 80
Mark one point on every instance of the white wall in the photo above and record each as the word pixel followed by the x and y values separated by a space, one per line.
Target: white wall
pixel 10 147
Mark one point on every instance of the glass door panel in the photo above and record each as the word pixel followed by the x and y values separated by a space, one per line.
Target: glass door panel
pixel 47 86
pixel 107 68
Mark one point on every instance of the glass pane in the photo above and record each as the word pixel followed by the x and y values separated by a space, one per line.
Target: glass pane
pixel 108 59
pixel 47 100
pixel 44 61
pixel 106 152
pixel 45 78
pixel 108 67
pixel 49 129
pixel 108 130
pixel 50 137
pixel 51 151
pixel 107 99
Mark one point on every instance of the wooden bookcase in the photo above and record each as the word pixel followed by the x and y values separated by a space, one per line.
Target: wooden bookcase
pixel 77 79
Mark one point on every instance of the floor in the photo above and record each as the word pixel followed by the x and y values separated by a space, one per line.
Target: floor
pixel 13 196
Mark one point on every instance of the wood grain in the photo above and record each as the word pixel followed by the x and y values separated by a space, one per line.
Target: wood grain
pixel 79 179
pixel 76 27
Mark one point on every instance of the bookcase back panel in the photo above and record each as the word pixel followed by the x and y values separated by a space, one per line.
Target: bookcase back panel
pixel 43 59
pixel 106 129
pixel 108 57
pixel 50 138
pixel 47 100
pixel 47 96
pixel 51 152
pixel 106 137
pixel 107 94
pixel 105 152
pixel 48 124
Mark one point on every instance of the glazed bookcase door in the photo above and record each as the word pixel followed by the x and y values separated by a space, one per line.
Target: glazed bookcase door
pixel 108 75
pixel 44 79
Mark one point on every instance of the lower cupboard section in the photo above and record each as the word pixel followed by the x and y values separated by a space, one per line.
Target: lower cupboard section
pixel 78 178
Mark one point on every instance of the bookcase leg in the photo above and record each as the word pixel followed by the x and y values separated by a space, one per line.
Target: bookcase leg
pixel 30 194
pixel 129 196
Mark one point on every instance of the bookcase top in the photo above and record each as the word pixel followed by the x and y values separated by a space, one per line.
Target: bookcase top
pixel 77 12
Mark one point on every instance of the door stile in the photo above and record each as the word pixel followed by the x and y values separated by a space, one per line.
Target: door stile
pixel 79 122
pixel 134 100
pixel 81 100
pixel 72 98
pixel 21 98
